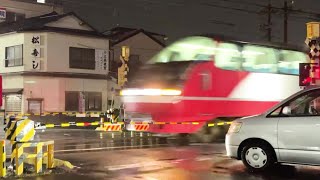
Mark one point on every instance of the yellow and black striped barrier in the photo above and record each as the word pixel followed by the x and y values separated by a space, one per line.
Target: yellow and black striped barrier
pixel 20 130
pixel 19 156
pixel 219 124
pixel 99 123
pixel 77 114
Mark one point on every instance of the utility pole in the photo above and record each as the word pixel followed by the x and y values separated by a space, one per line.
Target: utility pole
pixel 285 22
pixel 267 26
pixel 269 21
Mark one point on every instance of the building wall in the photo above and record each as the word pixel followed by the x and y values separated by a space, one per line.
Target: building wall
pixel 58 51
pixel 52 90
pixel 139 44
pixel 54 49
pixel 29 9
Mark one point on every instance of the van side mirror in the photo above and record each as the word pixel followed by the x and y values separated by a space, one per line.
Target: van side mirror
pixel 286 110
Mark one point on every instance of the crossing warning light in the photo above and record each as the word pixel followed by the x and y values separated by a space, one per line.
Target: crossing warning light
pixel 304 74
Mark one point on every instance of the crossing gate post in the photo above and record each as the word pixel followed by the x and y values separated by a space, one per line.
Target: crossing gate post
pixel 19 159
pixel 38 159
pixel 50 163
pixel 3 168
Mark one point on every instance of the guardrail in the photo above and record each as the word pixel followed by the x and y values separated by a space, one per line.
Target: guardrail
pixel 39 155
pixel 20 133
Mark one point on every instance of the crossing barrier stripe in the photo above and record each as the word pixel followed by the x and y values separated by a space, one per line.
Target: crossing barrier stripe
pixel 17 131
pixel 141 127
pixel 88 113
pixel 143 124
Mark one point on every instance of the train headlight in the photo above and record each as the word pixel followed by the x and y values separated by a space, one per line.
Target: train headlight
pixel 150 92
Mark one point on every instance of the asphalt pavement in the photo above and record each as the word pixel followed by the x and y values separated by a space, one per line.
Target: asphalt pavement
pixel 121 156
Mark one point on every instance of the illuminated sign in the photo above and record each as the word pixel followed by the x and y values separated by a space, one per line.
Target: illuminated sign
pixel 3 13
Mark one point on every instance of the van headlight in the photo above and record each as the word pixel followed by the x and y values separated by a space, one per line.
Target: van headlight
pixel 235 127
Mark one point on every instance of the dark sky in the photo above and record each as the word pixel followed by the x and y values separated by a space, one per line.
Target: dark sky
pixel 178 18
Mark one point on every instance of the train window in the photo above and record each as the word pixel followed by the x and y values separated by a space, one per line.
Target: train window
pixel 228 56
pixel 206 80
pixel 260 59
pixel 289 61
pixel 188 49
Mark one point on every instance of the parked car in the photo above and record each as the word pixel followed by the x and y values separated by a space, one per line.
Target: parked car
pixel 287 133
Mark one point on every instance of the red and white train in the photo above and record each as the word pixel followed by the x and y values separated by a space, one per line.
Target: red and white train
pixel 199 79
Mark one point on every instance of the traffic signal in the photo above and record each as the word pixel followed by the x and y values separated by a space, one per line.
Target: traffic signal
pixel 304 74
pixel 124 69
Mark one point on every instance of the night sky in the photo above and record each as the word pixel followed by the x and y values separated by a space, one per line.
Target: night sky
pixel 177 18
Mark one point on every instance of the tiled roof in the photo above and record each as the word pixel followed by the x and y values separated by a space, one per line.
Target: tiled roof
pixel 38 23
pixel 119 34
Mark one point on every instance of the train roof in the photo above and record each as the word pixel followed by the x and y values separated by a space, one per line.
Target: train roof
pixel 225 38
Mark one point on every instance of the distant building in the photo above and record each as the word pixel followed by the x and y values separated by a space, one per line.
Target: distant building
pixel 53 63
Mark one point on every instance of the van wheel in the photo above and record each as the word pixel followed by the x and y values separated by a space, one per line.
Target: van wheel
pixel 258 156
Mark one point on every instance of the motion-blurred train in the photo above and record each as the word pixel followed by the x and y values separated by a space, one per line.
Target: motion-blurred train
pixel 200 79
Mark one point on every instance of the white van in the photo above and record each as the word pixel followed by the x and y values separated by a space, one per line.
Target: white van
pixel 288 133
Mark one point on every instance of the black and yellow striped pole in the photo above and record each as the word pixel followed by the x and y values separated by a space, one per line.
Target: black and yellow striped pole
pixel 50 163
pixel 19 159
pixel 38 159
pixel 3 168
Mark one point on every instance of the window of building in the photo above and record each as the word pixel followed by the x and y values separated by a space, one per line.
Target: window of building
pixel 81 58
pixel 13 103
pixel 13 16
pixel 93 101
pixel 14 56
pixel 72 101
pixel 35 105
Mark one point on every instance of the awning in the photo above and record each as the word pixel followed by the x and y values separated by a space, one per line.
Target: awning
pixel 12 91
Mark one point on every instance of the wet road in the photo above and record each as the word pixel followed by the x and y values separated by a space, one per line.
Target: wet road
pixel 105 155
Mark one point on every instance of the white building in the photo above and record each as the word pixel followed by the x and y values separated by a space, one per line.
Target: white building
pixel 53 63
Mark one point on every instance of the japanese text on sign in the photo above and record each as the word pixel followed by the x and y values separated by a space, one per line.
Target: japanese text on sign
pixel 36 64
pixel 36 40
pixel 36 52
